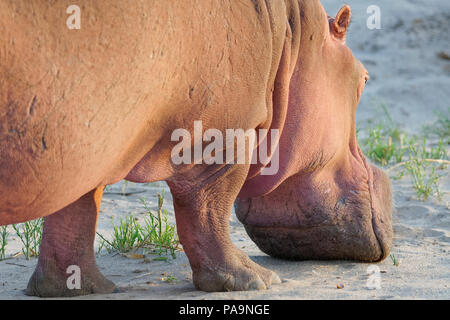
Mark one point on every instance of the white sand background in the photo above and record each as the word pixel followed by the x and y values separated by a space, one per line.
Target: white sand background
pixel 406 75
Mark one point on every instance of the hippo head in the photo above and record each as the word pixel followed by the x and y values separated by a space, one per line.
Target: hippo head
pixel 326 201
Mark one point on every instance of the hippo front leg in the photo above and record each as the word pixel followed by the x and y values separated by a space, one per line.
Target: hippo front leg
pixel 68 240
pixel 202 216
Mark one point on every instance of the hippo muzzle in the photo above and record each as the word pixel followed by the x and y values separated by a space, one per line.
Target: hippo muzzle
pixel 308 219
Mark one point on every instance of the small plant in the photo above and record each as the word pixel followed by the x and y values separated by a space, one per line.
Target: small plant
pixel 379 149
pixel 156 234
pixel 395 261
pixel 30 234
pixel 386 145
pixel 158 231
pixel 422 165
pixel 417 166
pixel 169 279
pixel 126 236
pixel 3 242
pixel 439 152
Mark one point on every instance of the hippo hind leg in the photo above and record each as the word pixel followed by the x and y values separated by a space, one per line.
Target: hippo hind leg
pixel 67 247
pixel 202 215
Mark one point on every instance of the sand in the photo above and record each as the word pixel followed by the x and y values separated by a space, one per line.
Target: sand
pixel 408 76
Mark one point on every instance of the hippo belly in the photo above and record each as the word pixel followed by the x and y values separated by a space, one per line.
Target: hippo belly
pixel 81 108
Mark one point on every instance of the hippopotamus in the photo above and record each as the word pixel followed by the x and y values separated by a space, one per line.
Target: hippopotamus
pixel 82 108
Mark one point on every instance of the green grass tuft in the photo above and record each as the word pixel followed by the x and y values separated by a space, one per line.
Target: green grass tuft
pixel 156 234
pixel 30 234
pixel 394 260
pixel 3 241
pixel 386 145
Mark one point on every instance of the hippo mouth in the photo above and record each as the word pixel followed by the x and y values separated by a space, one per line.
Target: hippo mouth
pixel 381 207
pixel 301 220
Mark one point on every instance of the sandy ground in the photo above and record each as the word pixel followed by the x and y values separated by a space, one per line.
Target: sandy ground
pixel 406 75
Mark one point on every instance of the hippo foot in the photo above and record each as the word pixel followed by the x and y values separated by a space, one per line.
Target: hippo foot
pixel 51 283
pixel 241 274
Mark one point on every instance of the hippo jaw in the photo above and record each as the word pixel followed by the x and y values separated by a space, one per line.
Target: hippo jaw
pixel 323 216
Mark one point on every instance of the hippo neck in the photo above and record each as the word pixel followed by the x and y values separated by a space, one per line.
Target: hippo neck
pixel 278 98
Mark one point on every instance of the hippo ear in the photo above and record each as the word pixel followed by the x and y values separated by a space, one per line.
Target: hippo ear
pixel 340 24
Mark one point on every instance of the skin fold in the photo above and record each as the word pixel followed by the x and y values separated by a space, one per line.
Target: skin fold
pixel 81 109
